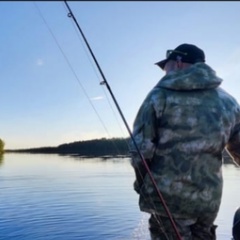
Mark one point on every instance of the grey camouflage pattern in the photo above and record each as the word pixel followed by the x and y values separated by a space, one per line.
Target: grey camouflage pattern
pixel 182 128
pixel 189 229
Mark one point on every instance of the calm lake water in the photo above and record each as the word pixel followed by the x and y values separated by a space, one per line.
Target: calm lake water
pixel 48 197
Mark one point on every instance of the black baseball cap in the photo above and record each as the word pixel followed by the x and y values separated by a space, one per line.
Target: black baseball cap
pixel 188 53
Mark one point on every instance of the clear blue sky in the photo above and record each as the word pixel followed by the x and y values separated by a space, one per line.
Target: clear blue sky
pixel 44 102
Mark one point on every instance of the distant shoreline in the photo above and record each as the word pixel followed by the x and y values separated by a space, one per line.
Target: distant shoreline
pixel 107 148
pixel 117 147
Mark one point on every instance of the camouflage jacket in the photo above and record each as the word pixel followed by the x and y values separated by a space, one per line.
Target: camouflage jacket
pixel 181 129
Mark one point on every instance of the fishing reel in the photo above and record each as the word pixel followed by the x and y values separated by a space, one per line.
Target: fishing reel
pixel 236 225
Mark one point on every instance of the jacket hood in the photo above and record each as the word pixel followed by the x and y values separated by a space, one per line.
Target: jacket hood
pixel 197 76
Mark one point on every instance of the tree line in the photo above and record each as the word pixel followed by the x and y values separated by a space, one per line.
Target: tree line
pixel 89 148
pixel 96 147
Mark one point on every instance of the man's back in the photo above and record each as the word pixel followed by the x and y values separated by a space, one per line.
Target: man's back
pixel 195 119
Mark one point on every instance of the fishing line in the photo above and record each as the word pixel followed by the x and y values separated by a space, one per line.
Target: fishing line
pixel 104 82
pixel 74 73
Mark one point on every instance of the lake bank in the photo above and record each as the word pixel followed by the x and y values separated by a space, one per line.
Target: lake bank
pixel 105 148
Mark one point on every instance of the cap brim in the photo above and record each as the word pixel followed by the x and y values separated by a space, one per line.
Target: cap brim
pixel 162 63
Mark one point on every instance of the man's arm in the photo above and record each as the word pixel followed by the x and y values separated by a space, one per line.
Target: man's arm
pixel 145 133
pixel 140 172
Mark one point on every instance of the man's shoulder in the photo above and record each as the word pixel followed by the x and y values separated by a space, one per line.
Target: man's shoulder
pixel 229 101
pixel 223 94
pixel 156 95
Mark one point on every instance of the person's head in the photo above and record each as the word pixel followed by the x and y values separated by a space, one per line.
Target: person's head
pixel 181 57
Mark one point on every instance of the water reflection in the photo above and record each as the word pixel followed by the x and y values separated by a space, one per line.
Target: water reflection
pixel 49 197
pixel 98 157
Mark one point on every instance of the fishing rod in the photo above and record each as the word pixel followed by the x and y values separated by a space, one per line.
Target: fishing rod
pixel 105 82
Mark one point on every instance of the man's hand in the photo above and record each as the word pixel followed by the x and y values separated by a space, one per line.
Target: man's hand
pixel 136 186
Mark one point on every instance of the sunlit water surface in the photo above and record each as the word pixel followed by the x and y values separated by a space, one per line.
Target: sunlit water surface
pixel 48 197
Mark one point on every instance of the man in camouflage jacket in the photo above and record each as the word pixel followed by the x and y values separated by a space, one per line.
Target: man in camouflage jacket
pixel 181 129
